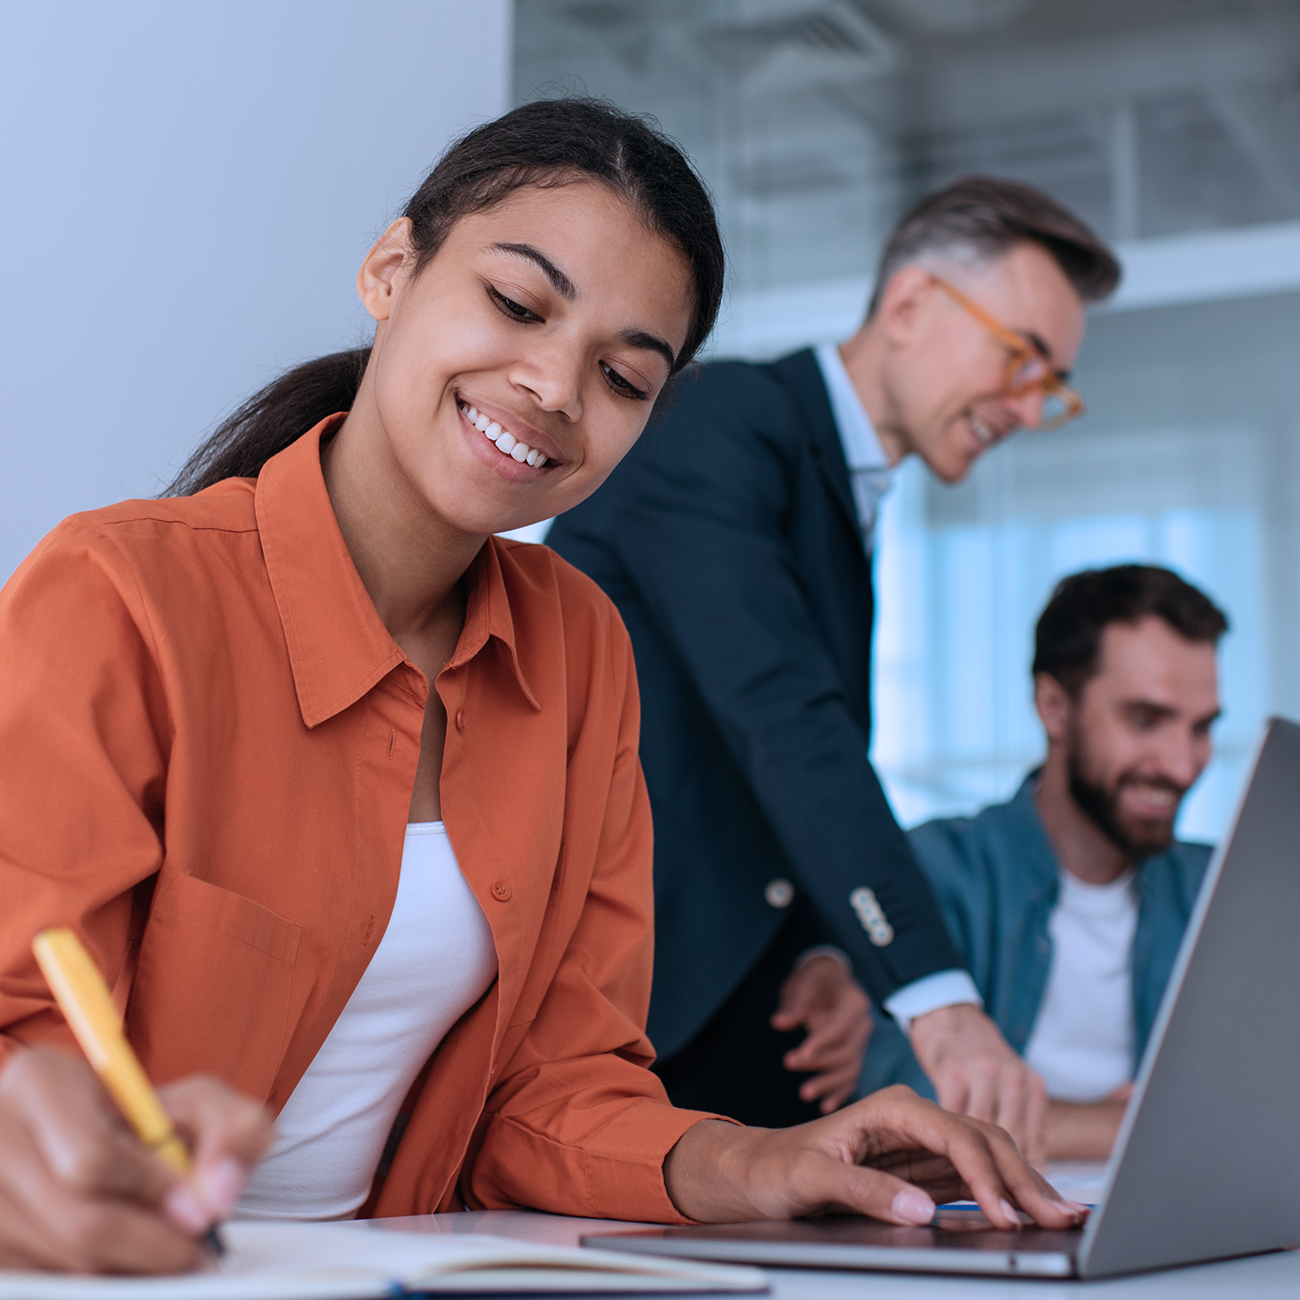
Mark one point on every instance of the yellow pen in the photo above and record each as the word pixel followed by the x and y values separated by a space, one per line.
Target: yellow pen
pixel 84 1000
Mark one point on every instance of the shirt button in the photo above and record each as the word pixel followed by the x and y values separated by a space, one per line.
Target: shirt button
pixel 779 893
pixel 460 719
pixel 501 891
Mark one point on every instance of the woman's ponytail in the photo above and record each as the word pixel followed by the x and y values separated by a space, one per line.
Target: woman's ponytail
pixel 273 418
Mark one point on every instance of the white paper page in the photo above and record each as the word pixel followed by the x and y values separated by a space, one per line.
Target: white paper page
pixel 309 1261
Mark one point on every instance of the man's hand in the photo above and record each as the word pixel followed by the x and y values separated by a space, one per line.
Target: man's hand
pixel 976 1073
pixel 892 1155
pixel 822 996
pixel 79 1193
pixel 1085 1130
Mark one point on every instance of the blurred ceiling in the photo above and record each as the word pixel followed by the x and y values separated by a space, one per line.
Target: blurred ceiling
pixel 816 121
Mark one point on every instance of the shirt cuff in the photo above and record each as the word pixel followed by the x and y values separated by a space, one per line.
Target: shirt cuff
pixel 945 988
pixel 825 950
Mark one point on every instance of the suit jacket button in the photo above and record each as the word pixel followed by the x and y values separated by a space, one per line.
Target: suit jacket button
pixel 460 719
pixel 872 916
pixel 501 891
pixel 779 893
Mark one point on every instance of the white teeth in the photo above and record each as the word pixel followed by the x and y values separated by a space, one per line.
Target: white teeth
pixel 1160 797
pixel 506 442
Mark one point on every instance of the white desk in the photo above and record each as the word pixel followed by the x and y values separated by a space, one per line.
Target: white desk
pixel 1262 1277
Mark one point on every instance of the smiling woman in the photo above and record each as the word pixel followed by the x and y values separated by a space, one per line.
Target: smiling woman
pixel 342 791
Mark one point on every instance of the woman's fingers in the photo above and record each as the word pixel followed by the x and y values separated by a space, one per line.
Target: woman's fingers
pixel 227 1132
pixel 872 1192
pixel 48 1223
pixel 903 1132
pixel 991 1167
pixel 77 1130
pixel 1028 1188
pixel 77 1191
pixel 889 1155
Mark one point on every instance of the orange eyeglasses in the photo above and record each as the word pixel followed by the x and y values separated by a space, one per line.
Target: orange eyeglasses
pixel 1028 369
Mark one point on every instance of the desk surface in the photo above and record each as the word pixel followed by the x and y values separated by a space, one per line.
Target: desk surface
pixel 1262 1277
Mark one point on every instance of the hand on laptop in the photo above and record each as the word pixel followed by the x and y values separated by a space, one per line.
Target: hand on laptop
pixel 893 1156
pixel 78 1192
pixel 975 1072
pixel 821 995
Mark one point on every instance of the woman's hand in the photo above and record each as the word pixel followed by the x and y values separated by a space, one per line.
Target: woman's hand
pixel 892 1156
pixel 79 1193
pixel 822 996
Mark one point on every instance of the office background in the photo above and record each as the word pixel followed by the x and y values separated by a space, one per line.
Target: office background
pixel 1173 127
pixel 188 192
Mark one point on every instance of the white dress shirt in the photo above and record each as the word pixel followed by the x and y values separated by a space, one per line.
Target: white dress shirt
pixel 870 475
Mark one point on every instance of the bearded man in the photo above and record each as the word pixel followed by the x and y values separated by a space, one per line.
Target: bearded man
pixel 1069 902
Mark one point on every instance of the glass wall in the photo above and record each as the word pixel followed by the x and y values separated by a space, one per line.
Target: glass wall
pixel 1172 126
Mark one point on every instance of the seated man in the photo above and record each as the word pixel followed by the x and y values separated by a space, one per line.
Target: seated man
pixel 1068 903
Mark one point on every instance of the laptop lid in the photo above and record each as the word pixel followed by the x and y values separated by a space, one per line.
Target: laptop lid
pixel 1207 1161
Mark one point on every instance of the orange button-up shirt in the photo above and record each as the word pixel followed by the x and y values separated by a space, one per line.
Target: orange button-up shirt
pixel 208 743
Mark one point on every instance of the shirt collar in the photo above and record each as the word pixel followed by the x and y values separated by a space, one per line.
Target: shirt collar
pixel 862 449
pixel 338 646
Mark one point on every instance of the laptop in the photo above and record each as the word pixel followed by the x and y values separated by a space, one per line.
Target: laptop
pixel 1207 1161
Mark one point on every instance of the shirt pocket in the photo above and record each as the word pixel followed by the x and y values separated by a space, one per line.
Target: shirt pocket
pixel 213 989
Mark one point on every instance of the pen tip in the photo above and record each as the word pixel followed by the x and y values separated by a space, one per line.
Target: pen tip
pixel 212 1239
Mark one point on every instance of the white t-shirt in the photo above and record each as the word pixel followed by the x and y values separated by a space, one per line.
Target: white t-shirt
pixel 435 961
pixel 1082 1041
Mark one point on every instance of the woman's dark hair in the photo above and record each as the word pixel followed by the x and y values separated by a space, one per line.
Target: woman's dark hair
pixel 548 143
pixel 985 217
pixel 1067 641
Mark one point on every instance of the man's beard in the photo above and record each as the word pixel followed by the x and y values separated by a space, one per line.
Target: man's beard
pixel 1138 837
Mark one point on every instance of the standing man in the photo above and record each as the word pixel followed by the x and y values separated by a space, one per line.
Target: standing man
pixel 1069 902
pixel 736 540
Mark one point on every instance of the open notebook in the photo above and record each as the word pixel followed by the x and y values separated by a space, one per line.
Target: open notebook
pixel 311 1261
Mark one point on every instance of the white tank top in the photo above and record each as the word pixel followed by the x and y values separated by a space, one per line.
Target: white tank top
pixel 435 961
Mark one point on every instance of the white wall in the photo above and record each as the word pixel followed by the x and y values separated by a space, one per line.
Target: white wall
pixel 186 194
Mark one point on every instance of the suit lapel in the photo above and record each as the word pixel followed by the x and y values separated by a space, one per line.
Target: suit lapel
pixel 802 378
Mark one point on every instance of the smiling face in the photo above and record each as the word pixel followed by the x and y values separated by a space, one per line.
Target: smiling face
pixel 514 371
pixel 944 382
pixel 1138 736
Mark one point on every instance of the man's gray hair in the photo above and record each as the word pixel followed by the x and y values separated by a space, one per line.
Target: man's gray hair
pixel 979 219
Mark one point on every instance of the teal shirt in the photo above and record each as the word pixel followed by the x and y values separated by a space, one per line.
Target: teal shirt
pixel 997 877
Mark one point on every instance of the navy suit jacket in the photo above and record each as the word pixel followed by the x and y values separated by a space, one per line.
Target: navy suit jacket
pixel 728 540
